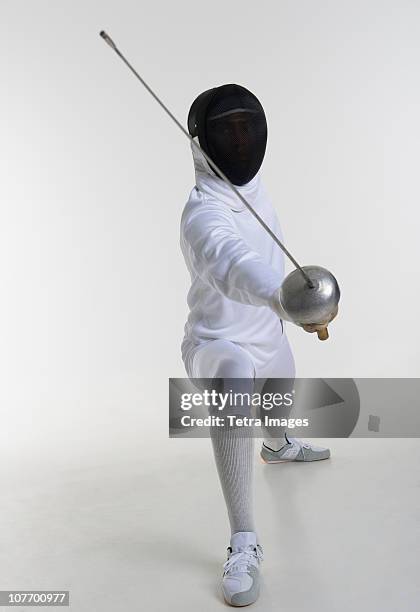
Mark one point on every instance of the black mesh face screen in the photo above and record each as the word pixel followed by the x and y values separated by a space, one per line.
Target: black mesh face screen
pixel 232 130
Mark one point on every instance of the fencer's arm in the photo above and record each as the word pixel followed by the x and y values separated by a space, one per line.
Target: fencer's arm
pixel 278 308
pixel 224 260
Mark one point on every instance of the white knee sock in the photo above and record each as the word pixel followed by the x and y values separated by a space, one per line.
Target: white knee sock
pixel 234 455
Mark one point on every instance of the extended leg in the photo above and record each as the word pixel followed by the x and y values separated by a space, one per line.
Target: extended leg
pixel 282 367
pixel 277 446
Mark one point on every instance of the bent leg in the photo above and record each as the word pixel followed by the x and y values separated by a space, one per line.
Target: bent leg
pixel 233 452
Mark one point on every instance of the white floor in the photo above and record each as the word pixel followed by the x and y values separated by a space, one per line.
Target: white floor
pixel 135 532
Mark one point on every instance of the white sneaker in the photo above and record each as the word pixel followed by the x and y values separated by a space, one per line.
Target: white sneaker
pixel 294 450
pixel 241 575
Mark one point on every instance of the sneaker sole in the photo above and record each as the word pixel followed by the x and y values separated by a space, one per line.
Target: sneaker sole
pixel 291 460
pixel 239 605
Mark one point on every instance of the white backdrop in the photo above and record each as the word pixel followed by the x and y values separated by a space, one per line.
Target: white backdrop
pixel 94 178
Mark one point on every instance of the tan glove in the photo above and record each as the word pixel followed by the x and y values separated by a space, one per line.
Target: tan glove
pixel 321 328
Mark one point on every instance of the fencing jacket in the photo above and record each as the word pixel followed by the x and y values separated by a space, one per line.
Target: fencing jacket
pixel 235 266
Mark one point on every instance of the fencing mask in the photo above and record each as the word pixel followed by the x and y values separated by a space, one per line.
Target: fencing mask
pixel 231 128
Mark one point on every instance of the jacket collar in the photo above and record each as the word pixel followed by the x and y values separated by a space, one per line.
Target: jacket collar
pixel 207 182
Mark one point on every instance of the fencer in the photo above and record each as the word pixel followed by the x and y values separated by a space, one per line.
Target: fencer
pixel 235 329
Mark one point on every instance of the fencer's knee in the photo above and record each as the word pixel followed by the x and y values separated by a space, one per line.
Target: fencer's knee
pixel 233 368
pixel 235 395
